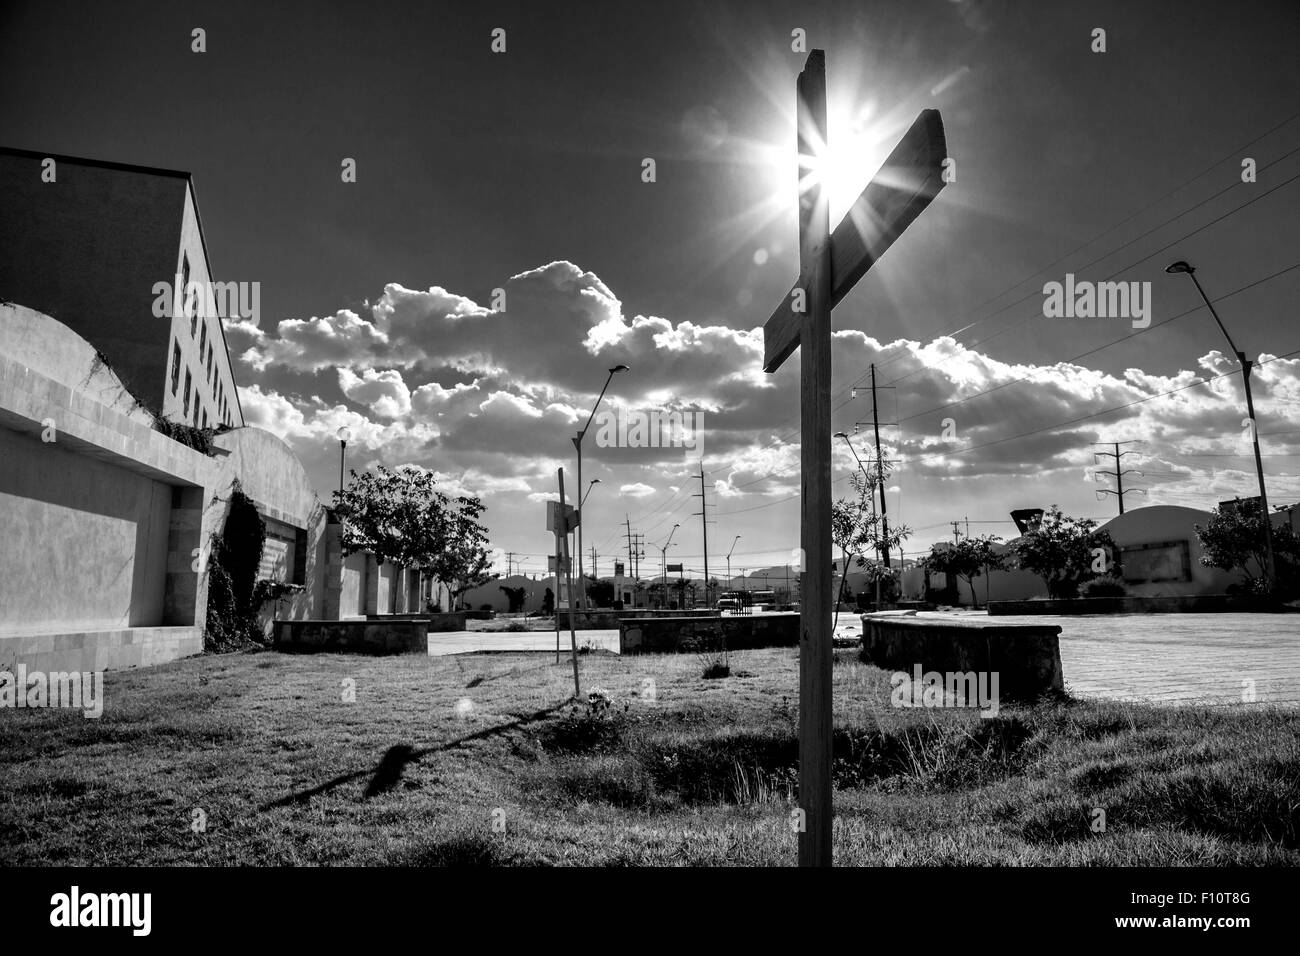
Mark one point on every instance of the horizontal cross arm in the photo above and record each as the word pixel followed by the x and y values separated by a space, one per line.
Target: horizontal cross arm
pixel 899 192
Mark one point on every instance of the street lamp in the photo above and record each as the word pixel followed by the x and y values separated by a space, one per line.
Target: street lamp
pixel 343 434
pixel 577 443
pixel 733 548
pixel 1182 267
pixel 663 560
pixel 594 481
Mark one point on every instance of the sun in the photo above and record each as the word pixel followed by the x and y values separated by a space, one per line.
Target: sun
pixel 858 143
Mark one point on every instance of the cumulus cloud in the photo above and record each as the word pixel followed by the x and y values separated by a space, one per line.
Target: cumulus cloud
pixel 384 393
pixel 489 399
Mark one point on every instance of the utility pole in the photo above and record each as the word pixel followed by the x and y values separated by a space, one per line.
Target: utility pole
pixel 594 573
pixel 509 563
pixel 1118 491
pixel 1183 267
pixel 956 532
pixel 704 526
pixel 880 469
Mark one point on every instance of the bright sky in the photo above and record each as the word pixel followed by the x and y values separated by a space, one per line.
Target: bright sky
pixel 522 171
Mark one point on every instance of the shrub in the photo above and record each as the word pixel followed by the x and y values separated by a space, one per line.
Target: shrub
pixel 1107 586
pixel 200 439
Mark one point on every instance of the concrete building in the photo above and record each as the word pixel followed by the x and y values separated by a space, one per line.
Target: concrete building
pixel 107 524
pixel 93 244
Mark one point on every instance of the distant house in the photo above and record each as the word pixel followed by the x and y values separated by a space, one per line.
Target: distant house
pixel 1159 555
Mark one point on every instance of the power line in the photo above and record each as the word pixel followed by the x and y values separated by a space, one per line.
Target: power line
pixel 1234 154
pixel 1074 358
pixel 1036 315
pixel 1037 431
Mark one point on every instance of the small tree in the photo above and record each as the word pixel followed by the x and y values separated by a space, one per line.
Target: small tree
pixel 1063 552
pixel 857 528
pixel 399 516
pixel 1234 541
pixel 968 559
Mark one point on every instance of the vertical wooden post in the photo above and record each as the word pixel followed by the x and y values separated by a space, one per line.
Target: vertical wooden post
pixel 815 651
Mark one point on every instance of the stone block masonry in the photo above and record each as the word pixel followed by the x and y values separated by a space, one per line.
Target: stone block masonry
pixel 1027 657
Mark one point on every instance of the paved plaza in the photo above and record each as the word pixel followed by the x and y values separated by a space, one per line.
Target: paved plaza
pixel 1165 658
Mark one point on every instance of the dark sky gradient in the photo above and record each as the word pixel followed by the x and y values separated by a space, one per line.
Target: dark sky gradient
pixel 474 167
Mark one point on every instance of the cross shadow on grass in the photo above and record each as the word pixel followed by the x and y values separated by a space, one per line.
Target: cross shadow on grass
pixel 388 773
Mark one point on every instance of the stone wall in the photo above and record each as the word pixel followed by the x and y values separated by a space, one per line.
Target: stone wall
pixel 389 636
pixel 669 635
pixel 437 623
pixel 608 620
pixel 1168 604
pixel 1026 657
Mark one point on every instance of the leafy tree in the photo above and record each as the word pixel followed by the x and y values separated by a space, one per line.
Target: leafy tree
pixel 857 528
pixel 1233 540
pixel 1061 551
pixel 968 558
pixel 399 516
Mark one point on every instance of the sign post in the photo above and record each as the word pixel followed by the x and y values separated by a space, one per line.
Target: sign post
pixel 829 265
pixel 562 549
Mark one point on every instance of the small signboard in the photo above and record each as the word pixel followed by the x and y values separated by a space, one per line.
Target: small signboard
pixel 569 523
pixel 550 564
pixel 675 567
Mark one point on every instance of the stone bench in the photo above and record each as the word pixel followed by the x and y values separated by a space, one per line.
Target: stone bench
pixel 606 619
pixel 389 636
pixel 1026 657
pixel 671 635
pixel 438 622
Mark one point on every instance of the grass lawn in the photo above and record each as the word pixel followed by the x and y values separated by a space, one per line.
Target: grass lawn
pixel 434 751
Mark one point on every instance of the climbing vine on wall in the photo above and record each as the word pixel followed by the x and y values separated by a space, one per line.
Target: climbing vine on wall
pixel 233 594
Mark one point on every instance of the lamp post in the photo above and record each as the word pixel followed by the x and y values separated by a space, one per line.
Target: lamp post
pixel 577 443
pixel 343 434
pixel 594 481
pixel 733 548
pixel 663 560
pixel 1182 267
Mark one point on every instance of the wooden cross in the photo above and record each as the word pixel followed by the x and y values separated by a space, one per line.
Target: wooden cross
pixel 829 265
